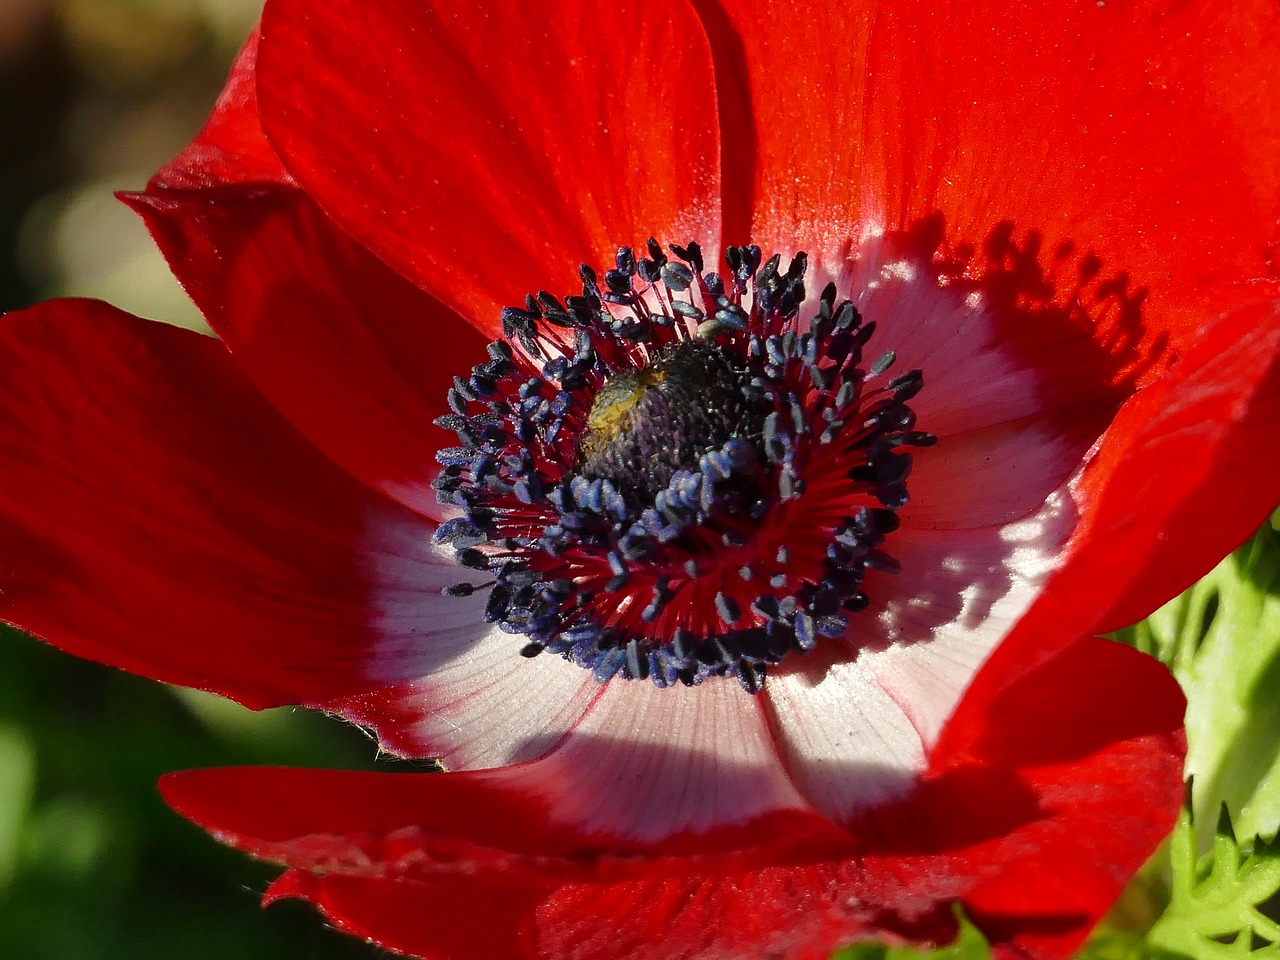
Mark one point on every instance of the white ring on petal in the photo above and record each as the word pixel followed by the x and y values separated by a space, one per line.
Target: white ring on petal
pixel 856 734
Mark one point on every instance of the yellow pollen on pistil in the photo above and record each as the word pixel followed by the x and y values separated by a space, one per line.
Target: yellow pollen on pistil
pixel 618 397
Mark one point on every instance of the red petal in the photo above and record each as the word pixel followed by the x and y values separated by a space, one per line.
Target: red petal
pixel 514 821
pixel 1035 826
pixel 168 521
pixel 231 148
pixel 485 152
pixel 803 913
pixel 692 777
pixel 460 918
pixel 1073 782
pixel 1188 471
pixel 1141 132
pixel 355 356
pixel 1097 736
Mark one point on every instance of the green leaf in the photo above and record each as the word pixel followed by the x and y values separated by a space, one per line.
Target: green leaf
pixel 1222 640
pixel 17 785
pixel 1213 909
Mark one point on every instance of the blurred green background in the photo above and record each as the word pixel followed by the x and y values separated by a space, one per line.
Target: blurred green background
pixel 94 96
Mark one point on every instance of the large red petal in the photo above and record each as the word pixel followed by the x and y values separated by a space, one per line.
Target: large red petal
pixel 485 152
pixel 1142 132
pixel 158 515
pixel 356 356
pixel 1125 141
pixel 1096 736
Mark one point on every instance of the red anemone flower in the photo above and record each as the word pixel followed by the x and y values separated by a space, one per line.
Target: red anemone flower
pixel 959 346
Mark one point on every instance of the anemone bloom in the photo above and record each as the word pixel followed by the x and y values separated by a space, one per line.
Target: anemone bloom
pixel 804 553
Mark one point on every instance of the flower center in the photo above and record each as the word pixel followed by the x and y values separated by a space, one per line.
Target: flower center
pixel 647 424
pixel 671 478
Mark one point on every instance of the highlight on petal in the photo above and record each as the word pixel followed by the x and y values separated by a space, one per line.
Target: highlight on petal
pixel 992 509
pixel 477 703
pixel 1017 387
pixel 856 725
pixel 158 515
pixel 1199 438
pixel 844 740
pixel 691 763
pixel 685 764
pixel 489 181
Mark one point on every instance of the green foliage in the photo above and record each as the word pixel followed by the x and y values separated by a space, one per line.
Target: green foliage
pixel 1214 903
pixel 1222 640
pixel 17 775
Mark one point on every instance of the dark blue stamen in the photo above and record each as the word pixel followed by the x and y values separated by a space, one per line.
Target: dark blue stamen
pixel 629 459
